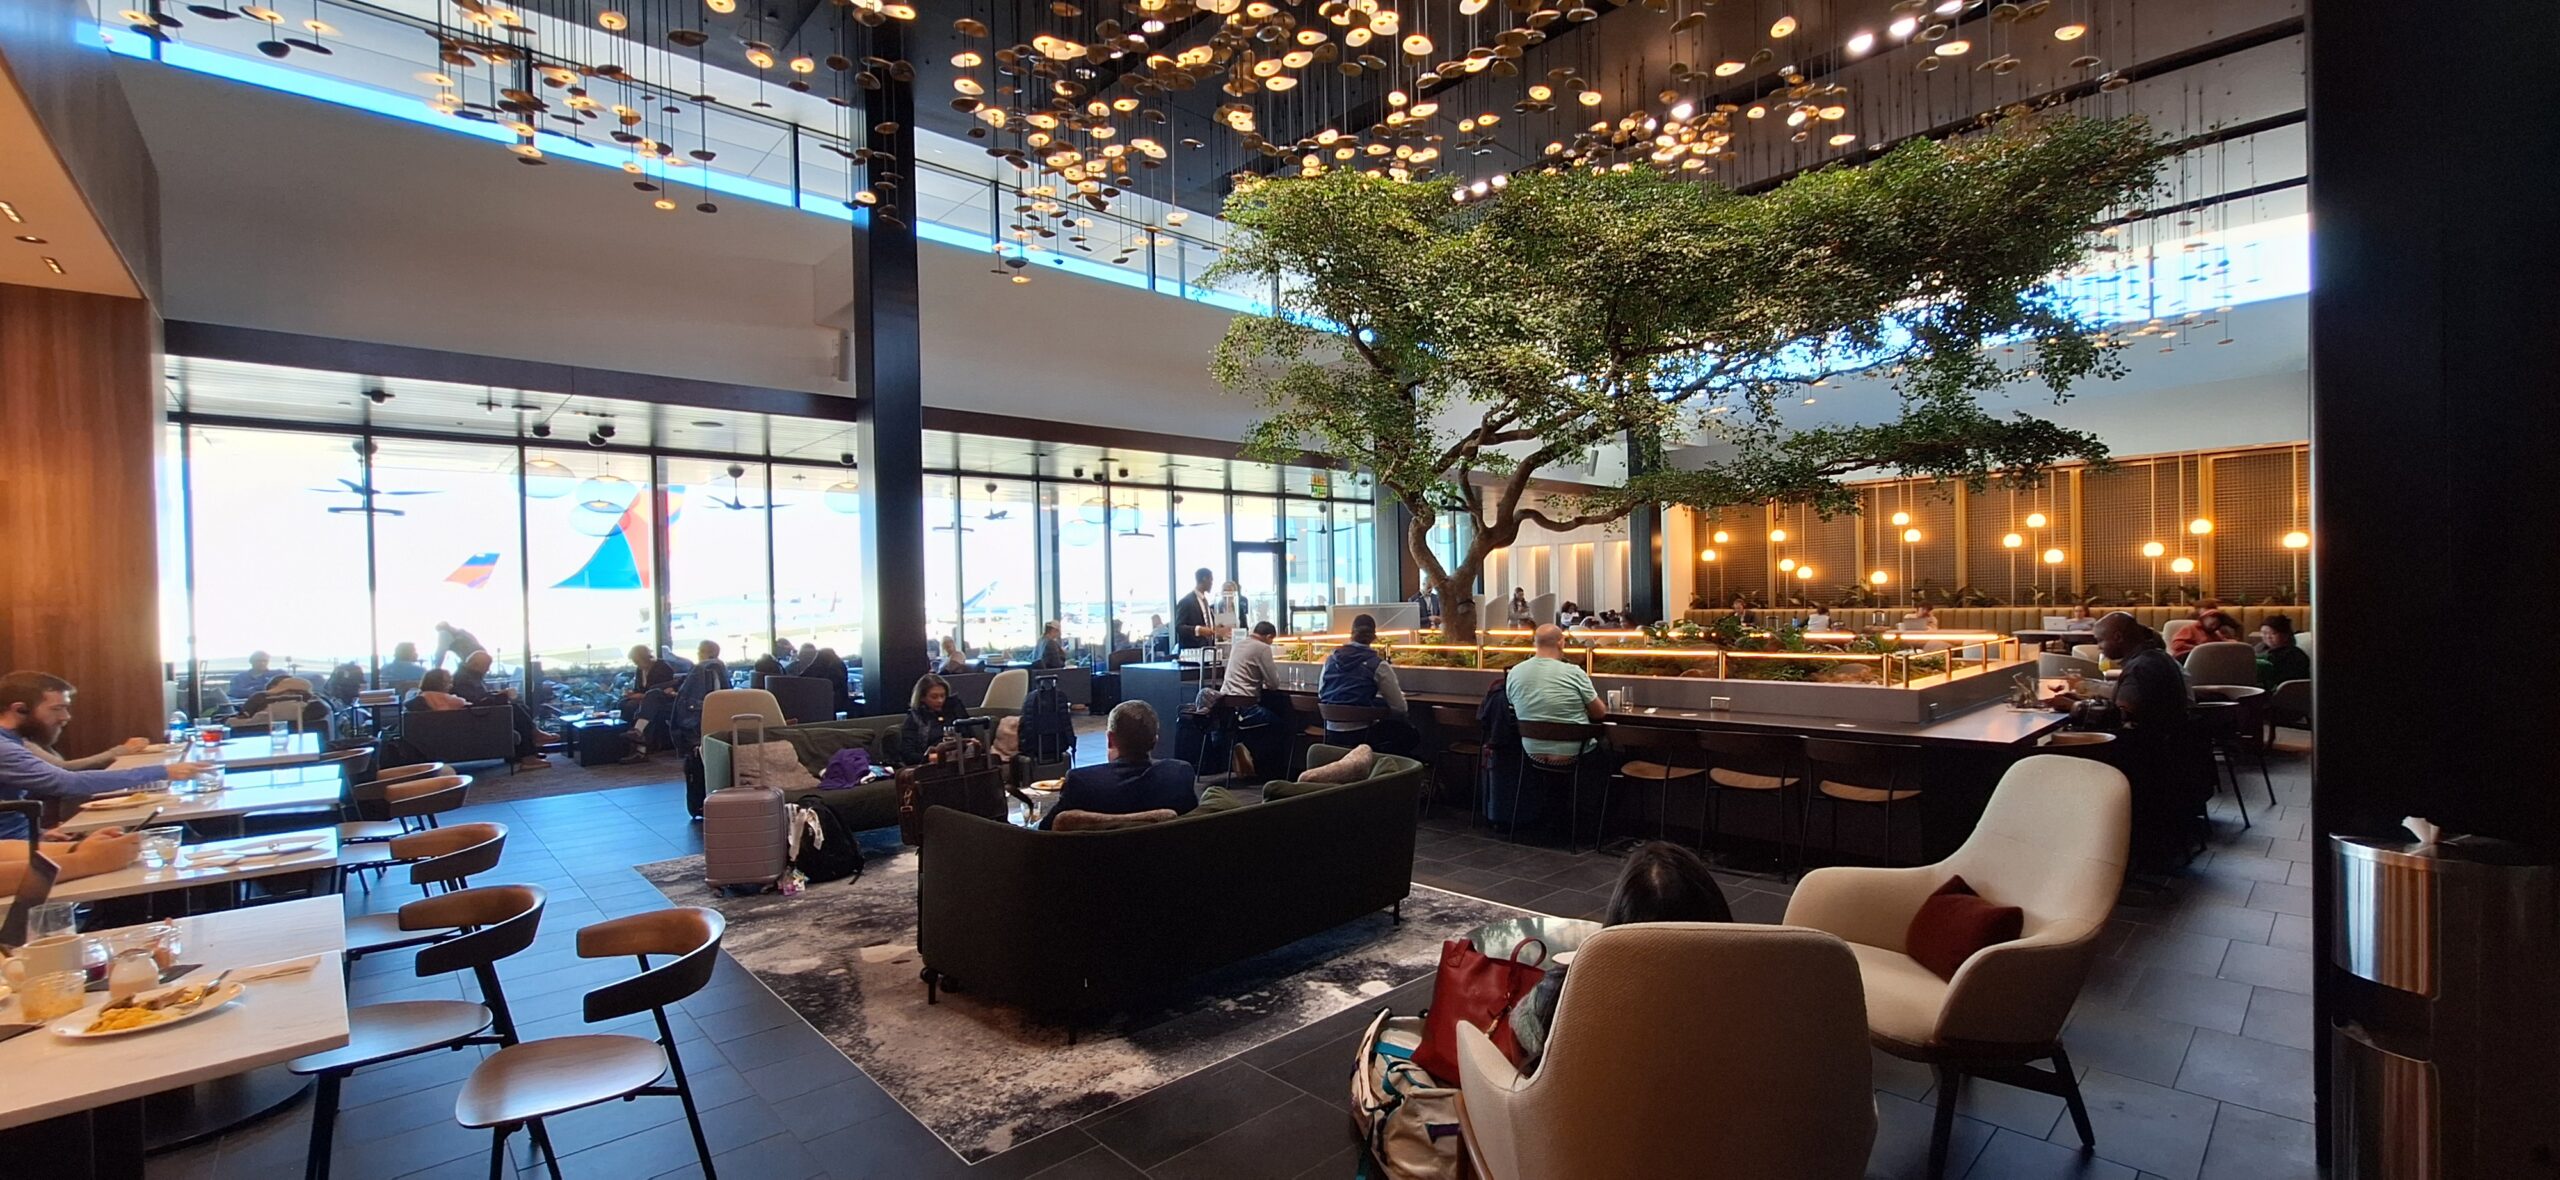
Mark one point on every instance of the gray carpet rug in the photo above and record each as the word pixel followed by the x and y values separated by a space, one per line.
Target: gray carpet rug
pixel 986 1076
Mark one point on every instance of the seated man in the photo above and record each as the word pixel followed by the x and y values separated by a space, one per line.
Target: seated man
pixel 258 676
pixel 1253 671
pixel 1134 780
pixel 102 851
pixel 472 684
pixel 34 708
pixel 1547 687
pixel 1356 673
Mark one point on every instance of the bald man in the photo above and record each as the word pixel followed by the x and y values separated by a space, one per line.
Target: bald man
pixel 1548 687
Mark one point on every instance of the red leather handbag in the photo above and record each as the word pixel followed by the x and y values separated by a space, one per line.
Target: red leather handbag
pixel 1479 989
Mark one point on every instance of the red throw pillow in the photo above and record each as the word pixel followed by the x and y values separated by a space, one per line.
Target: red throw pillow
pixel 1954 923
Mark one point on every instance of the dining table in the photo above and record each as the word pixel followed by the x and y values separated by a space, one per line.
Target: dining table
pixel 246 751
pixel 216 863
pixel 215 811
pixel 89 1106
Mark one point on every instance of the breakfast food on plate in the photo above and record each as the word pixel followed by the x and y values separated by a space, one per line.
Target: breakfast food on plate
pixel 149 1008
pixel 120 1019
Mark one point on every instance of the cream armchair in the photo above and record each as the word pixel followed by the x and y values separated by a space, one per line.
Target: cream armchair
pixel 1684 1049
pixel 2051 842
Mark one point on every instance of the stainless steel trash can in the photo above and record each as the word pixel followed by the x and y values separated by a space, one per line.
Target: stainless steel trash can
pixel 2445 1022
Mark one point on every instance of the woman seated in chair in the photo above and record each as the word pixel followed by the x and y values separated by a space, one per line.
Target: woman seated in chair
pixel 930 708
pixel 1659 882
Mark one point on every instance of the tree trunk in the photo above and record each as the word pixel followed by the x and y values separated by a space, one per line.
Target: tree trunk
pixel 1458 606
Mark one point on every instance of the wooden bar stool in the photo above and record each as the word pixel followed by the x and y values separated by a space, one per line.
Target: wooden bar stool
pixel 1846 773
pixel 488 924
pixel 1309 718
pixel 1661 757
pixel 1460 740
pixel 1584 734
pixel 520 1085
pixel 1751 765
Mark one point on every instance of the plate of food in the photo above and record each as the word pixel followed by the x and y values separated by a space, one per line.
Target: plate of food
pixel 144 1011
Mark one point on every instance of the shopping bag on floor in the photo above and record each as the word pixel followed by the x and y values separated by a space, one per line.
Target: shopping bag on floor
pixel 1478 989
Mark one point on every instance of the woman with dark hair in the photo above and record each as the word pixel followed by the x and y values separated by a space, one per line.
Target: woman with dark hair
pixel 2280 658
pixel 929 708
pixel 1659 882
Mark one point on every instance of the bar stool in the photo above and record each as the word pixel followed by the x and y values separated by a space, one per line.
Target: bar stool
pixel 1308 716
pixel 1348 725
pixel 490 923
pixel 1749 765
pixel 1844 773
pixel 522 1084
pixel 1583 735
pixel 1225 715
pixel 2081 743
pixel 1653 756
pixel 1459 739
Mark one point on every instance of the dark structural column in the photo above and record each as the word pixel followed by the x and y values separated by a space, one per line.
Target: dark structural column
pixel 888 380
pixel 2435 299
pixel 1644 546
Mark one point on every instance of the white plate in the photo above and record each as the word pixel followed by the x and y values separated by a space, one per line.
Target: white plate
pixel 273 848
pixel 211 860
pixel 76 1027
pixel 126 802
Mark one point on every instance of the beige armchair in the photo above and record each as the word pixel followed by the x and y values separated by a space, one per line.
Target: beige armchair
pixel 1684 1049
pixel 2051 842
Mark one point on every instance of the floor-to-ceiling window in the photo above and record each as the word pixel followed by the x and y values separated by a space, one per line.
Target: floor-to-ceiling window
pixel 1082 517
pixel 717 550
pixel 590 564
pixel 1000 565
pixel 1199 522
pixel 1355 549
pixel 817 557
pixel 448 546
pixel 942 592
pixel 1308 527
pixel 278 548
pixel 1142 580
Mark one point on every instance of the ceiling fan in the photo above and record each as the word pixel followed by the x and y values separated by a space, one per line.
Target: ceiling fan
pixel 366 491
pixel 737 501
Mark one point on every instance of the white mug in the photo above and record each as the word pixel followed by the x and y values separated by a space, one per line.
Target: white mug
pixel 44 956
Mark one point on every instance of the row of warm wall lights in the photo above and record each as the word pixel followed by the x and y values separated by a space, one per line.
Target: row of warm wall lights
pixel 2200 527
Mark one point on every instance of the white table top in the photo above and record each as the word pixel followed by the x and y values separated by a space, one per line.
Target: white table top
pixel 43 1075
pixel 301 789
pixel 139 877
pixel 242 752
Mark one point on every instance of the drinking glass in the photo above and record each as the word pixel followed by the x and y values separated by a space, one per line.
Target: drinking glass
pixel 161 844
pixel 52 918
pixel 211 734
pixel 279 733
pixel 59 993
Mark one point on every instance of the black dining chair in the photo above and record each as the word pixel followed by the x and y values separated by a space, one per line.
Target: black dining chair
pixel 1745 765
pixel 1584 736
pixel 519 1086
pixel 443 860
pixel 1862 774
pixel 489 924
pixel 2219 723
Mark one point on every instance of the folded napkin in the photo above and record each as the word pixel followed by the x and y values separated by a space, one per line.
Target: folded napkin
pixel 275 970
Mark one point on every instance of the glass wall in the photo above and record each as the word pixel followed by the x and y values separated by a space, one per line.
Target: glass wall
pixel 328 546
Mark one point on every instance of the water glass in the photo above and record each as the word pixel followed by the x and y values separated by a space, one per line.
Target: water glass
pixel 279 733
pixel 160 845
pixel 50 919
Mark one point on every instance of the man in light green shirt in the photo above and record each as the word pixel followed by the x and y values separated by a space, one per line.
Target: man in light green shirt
pixel 1545 687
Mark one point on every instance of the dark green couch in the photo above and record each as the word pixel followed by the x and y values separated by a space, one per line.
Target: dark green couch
pixel 862 808
pixel 1080 924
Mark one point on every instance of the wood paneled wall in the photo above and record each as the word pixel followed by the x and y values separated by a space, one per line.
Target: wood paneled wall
pixel 79 432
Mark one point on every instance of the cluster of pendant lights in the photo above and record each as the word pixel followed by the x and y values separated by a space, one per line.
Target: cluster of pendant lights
pixel 2294 540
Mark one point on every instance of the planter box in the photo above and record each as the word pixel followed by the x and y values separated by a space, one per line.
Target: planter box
pixel 1844 702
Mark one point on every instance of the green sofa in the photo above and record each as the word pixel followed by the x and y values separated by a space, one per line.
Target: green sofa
pixel 862 808
pixel 1080 924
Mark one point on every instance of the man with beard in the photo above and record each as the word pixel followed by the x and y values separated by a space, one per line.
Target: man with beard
pixel 34 708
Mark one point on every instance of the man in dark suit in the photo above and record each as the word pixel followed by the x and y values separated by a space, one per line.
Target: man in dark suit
pixel 1134 780
pixel 1191 625
pixel 1427 601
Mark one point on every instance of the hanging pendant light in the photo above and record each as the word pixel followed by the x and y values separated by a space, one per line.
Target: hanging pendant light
pixel 548 479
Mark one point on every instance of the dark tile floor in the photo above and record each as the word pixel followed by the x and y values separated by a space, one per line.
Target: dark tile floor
pixel 2191 1038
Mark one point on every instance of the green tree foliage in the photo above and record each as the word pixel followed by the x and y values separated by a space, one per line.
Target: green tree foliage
pixel 1578 308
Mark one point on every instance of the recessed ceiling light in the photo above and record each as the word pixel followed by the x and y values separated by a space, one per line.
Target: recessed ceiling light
pixel 11 212
pixel 31 239
pixel 2070 32
pixel 55 265
pixel 1862 43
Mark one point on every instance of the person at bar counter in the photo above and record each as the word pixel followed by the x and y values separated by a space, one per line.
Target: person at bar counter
pixel 1134 780
pixel 1253 670
pixel 2280 658
pixel 403 670
pixel 1547 687
pixel 2155 747
pixel 258 676
pixel 462 644
pixel 34 708
pixel 1356 673
pixel 930 709
pixel 1053 649
pixel 1194 619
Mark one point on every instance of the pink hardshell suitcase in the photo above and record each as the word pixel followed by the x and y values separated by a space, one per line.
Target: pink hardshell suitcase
pixel 744 833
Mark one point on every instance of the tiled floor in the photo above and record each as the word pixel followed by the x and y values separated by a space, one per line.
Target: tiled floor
pixel 2191 1039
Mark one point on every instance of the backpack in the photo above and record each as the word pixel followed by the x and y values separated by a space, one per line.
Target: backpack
pixel 1407 1118
pixel 829 853
pixel 1048 731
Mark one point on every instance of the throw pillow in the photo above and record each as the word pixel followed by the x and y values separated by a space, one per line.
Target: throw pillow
pixel 1350 768
pixel 1217 799
pixel 771 764
pixel 1096 821
pixel 1954 923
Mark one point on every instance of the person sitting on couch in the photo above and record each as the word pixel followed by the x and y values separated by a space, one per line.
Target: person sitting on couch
pixel 1134 780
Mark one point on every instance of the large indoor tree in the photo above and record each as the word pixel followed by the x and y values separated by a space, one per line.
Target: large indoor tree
pixel 1458 348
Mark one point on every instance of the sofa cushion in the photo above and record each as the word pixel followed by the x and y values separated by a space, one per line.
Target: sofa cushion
pixel 1283 789
pixel 1903 998
pixel 1350 768
pixel 1217 799
pixel 1954 923
pixel 1097 821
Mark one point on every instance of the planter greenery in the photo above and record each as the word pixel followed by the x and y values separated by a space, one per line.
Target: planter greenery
pixel 1457 349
